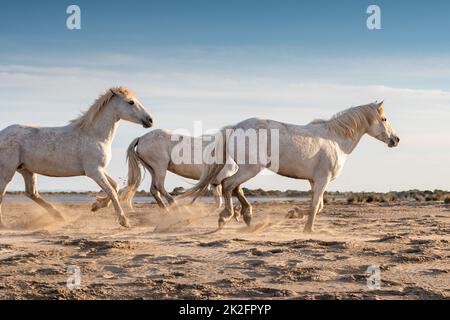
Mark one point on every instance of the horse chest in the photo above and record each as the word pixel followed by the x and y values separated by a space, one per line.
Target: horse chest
pixel 96 153
pixel 337 164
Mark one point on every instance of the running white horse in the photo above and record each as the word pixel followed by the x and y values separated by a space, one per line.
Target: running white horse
pixel 82 148
pixel 154 151
pixel 315 152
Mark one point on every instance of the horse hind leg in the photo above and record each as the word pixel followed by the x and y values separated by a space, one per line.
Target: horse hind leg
pixel 158 178
pixel 32 193
pixel 157 188
pixel 157 195
pixel 168 197
pixel 246 207
pixel 233 183
pixel 228 212
pixel 217 193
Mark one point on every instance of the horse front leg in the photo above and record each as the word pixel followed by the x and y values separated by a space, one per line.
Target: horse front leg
pixel 2 226
pixel 6 175
pixel 301 215
pixel 316 203
pixel 3 185
pixel 2 195
pixel 103 202
pixel 100 177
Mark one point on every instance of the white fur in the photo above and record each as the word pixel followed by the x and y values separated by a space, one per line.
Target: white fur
pixel 82 148
pixel 154 152
pixel 315 152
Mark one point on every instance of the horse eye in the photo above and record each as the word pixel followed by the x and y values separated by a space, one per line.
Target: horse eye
pixel 383 119
pixel 131 102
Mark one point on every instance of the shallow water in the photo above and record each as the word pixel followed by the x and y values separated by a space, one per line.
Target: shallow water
pixel 146 199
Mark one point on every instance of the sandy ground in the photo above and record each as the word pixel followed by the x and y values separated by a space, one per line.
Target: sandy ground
pixel 174 256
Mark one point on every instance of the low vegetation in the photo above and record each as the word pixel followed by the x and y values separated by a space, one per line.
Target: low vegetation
pixel 411 195
pixel 353 197
pixel 329 197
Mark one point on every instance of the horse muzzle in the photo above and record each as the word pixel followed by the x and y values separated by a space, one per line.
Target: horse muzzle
pixel 147 122
pixel 393 141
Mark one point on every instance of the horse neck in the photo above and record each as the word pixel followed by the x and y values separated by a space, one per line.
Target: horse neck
pixel 105 124
pixel 348 144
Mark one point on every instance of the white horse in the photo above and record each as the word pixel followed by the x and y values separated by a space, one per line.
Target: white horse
pixel 82 148
pixel 154 151
pixel 315 152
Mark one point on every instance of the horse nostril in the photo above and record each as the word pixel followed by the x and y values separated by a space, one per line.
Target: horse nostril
pixel 147 122
pixel 398 139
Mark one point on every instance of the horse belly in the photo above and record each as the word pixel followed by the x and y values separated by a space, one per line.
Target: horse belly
pixel 299 171
pixel 190 171
pixel 53 163
pixel 57 172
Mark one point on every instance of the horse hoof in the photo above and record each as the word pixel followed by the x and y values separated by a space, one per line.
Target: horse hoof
pixel 237 217
pixel 94 207
pixel 221 223
pixel 248 220
pixel 124 222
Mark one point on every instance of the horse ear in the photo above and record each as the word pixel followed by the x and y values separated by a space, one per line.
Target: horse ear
pixel 113 92
pixel 380 108
pixel 379 105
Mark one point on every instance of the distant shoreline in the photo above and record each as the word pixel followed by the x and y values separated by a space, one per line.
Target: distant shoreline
pixel 350 197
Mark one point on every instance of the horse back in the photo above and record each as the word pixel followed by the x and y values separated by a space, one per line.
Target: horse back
pixel 44 150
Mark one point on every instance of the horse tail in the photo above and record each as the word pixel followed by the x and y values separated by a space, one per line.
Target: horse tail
pixel 134 174
pixel 212 170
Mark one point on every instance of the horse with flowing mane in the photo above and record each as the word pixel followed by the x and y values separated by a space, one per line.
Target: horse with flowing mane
pixel 315 152
pixel 82 148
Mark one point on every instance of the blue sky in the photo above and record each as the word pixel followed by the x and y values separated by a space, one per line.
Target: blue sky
pixel 320 25
pixel 223 61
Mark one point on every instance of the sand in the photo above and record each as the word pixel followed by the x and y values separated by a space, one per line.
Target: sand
pixel 177 256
